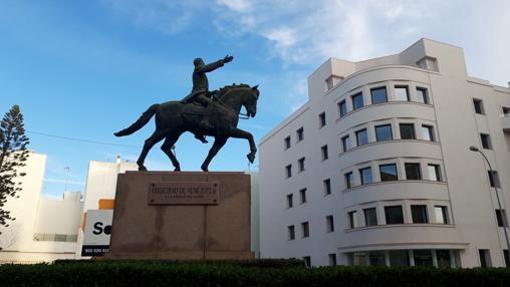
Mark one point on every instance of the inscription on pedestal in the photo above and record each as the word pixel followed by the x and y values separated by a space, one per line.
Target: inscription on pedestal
pixel 184 193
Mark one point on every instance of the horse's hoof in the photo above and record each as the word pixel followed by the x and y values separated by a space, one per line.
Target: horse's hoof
pixel 177 169
pixel 142 168
pixel 251 157
pixel 204 168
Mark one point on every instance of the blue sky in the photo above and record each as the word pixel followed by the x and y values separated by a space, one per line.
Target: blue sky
pixel 84 69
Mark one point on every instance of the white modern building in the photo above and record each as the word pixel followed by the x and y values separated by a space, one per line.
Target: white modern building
pixel 375 168
pixel 45 229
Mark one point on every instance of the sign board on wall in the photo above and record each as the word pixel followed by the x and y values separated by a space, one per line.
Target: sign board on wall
pixel 96 235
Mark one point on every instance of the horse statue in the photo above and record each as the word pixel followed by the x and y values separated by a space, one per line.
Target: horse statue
pixel 173 118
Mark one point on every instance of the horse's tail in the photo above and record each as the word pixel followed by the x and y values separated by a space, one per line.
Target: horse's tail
pixel 146 116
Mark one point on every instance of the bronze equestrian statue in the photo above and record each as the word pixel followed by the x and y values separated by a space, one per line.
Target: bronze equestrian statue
pixel 202 113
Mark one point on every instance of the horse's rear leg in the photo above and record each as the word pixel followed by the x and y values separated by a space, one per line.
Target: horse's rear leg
pixel 167 149
pixel 149 143
pixel 219 142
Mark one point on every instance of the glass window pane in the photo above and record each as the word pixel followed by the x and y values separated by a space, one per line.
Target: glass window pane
pixel 346 143
pixel 394 214
pixel 423 257
pixel 443 258
pixel 366 175
pixel 388 172
pixel 421 95
pixel 379 95
pixel 352 219
pixel 434 173
pixel 407 132
pixel 426 133
pixel 327 186
pixel 357 101
pixel 413 171
pixel 376 258
pixel 441 214
pixel 401 93
pixel 419 213
pixel 342 107
pixel 399 258
pixel 370 216
pixel 348 180
pixel 478 106
pixel 359 259
pixel 361 137
pixel 383 133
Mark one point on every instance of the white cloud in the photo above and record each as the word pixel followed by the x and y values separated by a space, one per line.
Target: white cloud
pixel 236 5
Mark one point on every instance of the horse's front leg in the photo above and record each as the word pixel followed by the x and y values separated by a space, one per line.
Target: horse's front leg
pixel 239 133
pixel 219 142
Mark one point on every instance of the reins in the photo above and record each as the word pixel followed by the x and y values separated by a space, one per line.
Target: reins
pixel 241 115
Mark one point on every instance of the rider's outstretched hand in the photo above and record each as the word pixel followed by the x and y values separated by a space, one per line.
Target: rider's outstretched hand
pixel 228 58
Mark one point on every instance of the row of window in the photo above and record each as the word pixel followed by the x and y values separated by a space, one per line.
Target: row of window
pixel 380 95
pixel 326 185
pixel 394 214
pixel 300 135
pixel 385 133
pixel 418 257
pixel 389 172
pixel 301 167
pixel 305 228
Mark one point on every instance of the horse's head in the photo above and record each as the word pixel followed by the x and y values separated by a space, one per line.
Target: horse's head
pixel 250 101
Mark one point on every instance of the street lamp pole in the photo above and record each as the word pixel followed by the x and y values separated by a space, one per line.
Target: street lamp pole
pixel 505 220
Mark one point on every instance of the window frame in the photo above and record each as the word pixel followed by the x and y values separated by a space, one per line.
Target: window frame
pixel 425 94
pixel 301 164
pixel 290 200
pixel 324 152
pixel 322 120
pixel 415 164
pixel 376 128
pixel 287 142
pixel 485 139
pixel 366 212
pixel 379 88
pixel 478 106
pixel 353 99
pixel 401 125
pixel 326 184
pixel 330 223
pixel 349 179
pixel 423 208
pixel 358 132
pixel 300 134
pixel 429 129
pixel 361 175
pixel 387 165
pixel 437 172
pixel 346 142
pixel 394 207
pixel 305 229
pixel 288 171
pixel 302 196
pixel 342 112
pixel 406 88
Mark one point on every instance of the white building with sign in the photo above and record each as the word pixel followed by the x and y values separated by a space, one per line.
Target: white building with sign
pixel 375 169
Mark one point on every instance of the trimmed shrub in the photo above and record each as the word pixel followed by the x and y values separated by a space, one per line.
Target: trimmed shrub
pixel 231 273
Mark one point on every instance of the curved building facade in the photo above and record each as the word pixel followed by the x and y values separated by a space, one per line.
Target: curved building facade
pixel 375 168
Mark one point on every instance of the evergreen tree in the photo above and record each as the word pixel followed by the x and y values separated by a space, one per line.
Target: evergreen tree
pixel 13 155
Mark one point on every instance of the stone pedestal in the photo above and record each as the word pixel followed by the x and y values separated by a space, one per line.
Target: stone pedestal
pixel 181 216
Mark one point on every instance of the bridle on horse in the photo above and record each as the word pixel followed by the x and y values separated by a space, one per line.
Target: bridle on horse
pixel 242 116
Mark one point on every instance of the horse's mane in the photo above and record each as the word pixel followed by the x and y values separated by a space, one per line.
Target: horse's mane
pixel 225 89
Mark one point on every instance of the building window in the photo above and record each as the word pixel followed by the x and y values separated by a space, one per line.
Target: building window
pixel 302 195
pixel 407 132
pixel 443 258
pixel 308 261
pixel 383 133
pixel 423 257
pixel 419 214
pixel 427 133
pixel 306 229
pixel 388 172
pixel 413 171
pixel 434 172
pixel 348 179
pixel 501 218
pixel 300 134
pixel 357 101
pixel 332 259
pixel 485 258
pixel 361 137
pixel 401 93
pixel 301 164
pixel 506 111
pixel 421 95
pixel 486 141
pixel 290 200
pixel 379 95
pixel 342 108
pixel 288 170
pixel 478 104
pixel 370 216
pixel 394 214
pixel 399 257
pixel 377 258
pixel 352 219
pixel 291 232
pixel 322 119
pixel 441 214
pixel 330 225
pixel 324 152
pixel 286 142
pixel 346 143
pixel 493 178
pixel 327 186
pixel 366 175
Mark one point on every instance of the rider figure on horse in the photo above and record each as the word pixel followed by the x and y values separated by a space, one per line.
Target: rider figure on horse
pixel 200 93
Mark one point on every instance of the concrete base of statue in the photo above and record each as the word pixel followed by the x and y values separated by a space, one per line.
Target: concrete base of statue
pixel 181 216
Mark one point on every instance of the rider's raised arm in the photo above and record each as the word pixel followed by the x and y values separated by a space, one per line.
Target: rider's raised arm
pixel 211 67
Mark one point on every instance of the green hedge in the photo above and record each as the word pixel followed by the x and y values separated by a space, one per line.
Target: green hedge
pixel 154 273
